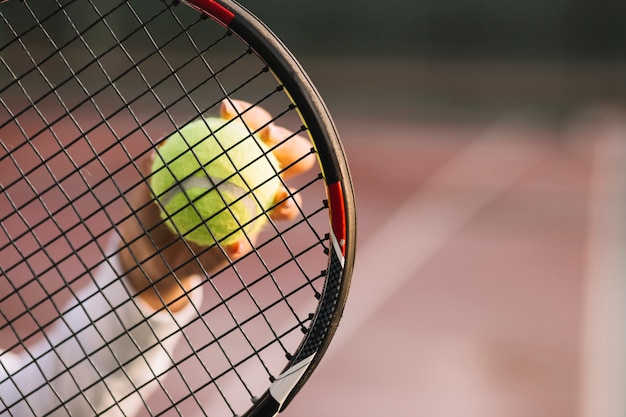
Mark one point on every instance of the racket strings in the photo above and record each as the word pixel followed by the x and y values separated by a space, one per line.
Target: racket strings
pixel 247 290
pixel 102 118
pixel 87 355
pixel 78 169
pixel 105 346
pixel 56 51
pixel 111 81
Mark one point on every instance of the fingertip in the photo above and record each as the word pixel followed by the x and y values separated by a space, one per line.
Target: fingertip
pixel 256 117
pixel 232 249
pixel 287 205
pixel 273 134
pixel 237 249
pixel 294 151
pixel 304 164
pixel 148 161
pixel 267 135
pixel 231 108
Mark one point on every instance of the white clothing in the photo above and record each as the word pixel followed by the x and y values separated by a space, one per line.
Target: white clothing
pixel 105 347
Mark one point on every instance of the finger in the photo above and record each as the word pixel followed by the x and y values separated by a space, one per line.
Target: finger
pixel 287 205
pixel 145 164
pixel 254 116
pixel 294 152
pixel 238 249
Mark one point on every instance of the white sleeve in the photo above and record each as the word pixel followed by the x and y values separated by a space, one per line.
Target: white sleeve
pixel 105 349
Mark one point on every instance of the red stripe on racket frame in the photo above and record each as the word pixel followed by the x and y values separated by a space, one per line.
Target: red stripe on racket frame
pixel 338 214
pixel 214 9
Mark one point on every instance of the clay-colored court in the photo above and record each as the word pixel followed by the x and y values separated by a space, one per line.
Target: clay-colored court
pixel 487 271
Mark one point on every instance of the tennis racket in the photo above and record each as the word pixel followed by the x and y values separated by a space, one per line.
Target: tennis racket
pixel 88 89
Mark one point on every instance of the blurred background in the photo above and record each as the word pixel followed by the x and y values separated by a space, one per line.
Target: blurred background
pixel 487 142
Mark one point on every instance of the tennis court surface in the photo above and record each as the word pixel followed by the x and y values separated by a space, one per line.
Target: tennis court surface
pixel 487 270
pixel 489 265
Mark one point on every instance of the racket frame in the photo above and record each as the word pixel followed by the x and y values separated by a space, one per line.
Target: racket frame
pixel 323 133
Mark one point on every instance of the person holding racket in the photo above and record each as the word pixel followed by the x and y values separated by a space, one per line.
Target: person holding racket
pixel 109 366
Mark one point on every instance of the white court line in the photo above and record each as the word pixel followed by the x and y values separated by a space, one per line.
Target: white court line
pixel 465 185
pixel 603 343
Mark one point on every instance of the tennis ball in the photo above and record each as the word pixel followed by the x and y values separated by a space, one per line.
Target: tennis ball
pixel 213 180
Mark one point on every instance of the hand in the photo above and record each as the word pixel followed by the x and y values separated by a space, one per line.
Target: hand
pixel 158 263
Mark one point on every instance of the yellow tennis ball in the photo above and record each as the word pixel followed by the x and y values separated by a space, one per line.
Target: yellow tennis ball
pixel 214 180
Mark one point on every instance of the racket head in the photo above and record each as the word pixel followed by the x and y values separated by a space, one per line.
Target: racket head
pixel 87 91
